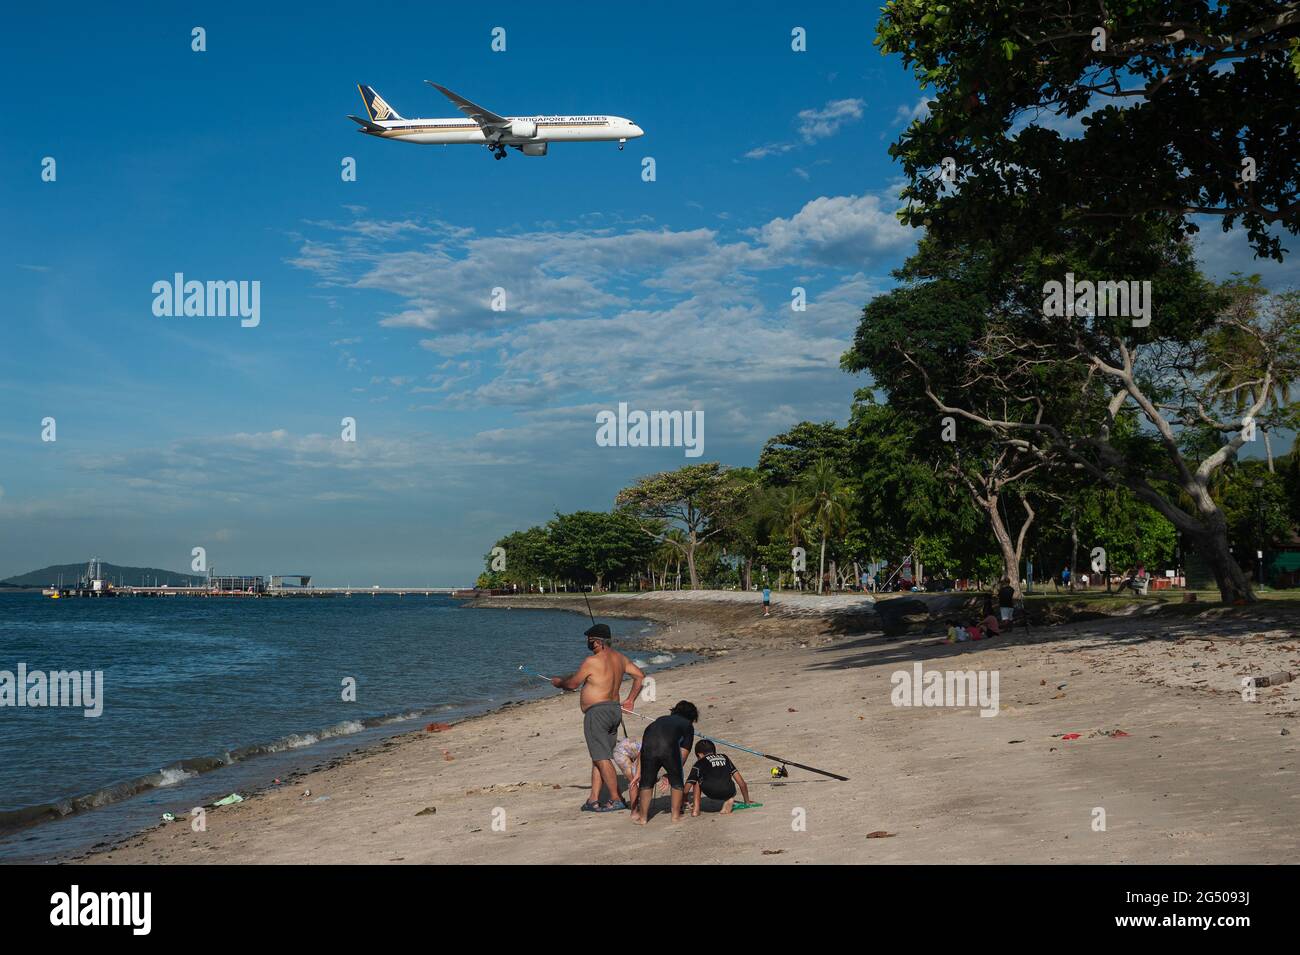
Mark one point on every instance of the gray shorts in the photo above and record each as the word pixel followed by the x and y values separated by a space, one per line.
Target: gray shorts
pixel 600 727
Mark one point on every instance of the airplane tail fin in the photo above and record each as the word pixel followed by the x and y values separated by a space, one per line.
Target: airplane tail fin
pixel 375 105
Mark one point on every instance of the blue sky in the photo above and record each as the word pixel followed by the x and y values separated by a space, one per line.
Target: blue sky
pixel 771 172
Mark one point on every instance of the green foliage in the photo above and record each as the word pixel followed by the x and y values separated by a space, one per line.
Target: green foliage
pixel 1131 532
pixel 1256 507
pixel 700 500
pixel 1180 94
pixel 786 458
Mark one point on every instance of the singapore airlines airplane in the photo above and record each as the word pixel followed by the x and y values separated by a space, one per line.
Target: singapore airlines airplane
pixel 528 134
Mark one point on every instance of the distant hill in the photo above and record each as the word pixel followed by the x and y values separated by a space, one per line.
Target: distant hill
pixel 127 576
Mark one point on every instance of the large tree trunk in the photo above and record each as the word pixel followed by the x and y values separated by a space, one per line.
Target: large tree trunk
pixel 1233 584
pixel 1268 448
pixel 1011 551
pixel 1209 529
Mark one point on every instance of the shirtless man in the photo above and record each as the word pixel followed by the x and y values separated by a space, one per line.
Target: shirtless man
pixel 601 677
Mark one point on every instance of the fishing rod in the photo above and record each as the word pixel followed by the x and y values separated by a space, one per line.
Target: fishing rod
pixel 723 742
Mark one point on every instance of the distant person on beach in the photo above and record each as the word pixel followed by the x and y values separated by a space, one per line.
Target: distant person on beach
pixel 767 600
pixel 665 745
pixel 1006 601
pixel 716 776
pixel 601 677
pixel 990 624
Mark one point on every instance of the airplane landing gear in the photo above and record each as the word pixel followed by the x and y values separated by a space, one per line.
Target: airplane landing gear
pixel 621 143
pixel 498 150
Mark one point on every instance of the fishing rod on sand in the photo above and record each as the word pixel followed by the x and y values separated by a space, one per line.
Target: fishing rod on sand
pixel 720 742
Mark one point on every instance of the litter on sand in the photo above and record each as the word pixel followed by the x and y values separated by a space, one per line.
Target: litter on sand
pixel 747 805
pixel 881 834
pixel 229 800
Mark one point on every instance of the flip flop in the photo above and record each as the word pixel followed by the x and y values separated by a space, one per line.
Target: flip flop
pixel 616 806
pixel 590 806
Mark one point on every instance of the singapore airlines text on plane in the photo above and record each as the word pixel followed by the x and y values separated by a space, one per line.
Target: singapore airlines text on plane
pixel 529 134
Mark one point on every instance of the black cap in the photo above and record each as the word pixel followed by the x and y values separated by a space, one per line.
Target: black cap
pixel 599 631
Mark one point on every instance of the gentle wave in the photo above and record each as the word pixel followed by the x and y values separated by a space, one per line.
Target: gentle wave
pixel 185 769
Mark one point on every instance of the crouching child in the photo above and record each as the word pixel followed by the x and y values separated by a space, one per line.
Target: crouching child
pixel 716 776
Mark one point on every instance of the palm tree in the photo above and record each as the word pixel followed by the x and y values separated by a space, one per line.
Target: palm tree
pixel 826 500
pixel 670 551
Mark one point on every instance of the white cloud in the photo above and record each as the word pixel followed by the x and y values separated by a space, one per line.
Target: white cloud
pixel 906 114
pixel 838 230
pixel 662 316
pixel 815 124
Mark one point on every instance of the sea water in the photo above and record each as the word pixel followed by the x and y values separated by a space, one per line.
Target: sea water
pixel 203 697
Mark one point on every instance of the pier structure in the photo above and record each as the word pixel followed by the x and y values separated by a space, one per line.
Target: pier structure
pixel 93 584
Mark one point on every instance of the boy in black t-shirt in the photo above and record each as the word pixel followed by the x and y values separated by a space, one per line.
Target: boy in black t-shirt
pixel 714 775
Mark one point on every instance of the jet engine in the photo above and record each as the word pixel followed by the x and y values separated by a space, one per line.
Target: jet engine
pixel 534 149
pixel 523 128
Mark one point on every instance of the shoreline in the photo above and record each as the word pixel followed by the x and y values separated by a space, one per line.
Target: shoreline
pixel 285 754
pixel 1164 741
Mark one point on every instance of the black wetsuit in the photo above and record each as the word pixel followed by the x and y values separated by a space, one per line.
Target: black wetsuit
pixel 661 748
pixel 713 773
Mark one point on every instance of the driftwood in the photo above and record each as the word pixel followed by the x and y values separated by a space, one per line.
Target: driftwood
pixel 1273 679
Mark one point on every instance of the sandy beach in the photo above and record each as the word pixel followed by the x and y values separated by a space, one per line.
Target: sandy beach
pixel 1183 769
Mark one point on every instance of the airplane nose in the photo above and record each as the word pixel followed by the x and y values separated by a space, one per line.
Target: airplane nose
pixel 637 130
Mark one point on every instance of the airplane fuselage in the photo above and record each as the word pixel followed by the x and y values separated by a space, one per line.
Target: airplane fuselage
pixel 523 130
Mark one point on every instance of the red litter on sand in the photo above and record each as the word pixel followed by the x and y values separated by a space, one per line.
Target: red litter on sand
pixel 1071 736
pixel 437 727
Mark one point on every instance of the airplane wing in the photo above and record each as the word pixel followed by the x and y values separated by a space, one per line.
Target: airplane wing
pixel 484 117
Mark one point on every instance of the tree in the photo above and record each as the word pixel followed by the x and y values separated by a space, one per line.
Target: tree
pixel 826 502
pixel 904 502
pixel 758 518
pixel 594 546
pixel 787 457
pixel 1254 504
pixel 528 557
pixel 1186 109
pixel 1237 364
pixel 1089 390
pixel 1157 383
pixel 921 335
pixel 699 499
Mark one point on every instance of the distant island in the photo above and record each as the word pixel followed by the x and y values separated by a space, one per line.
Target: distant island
pixel 127 576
